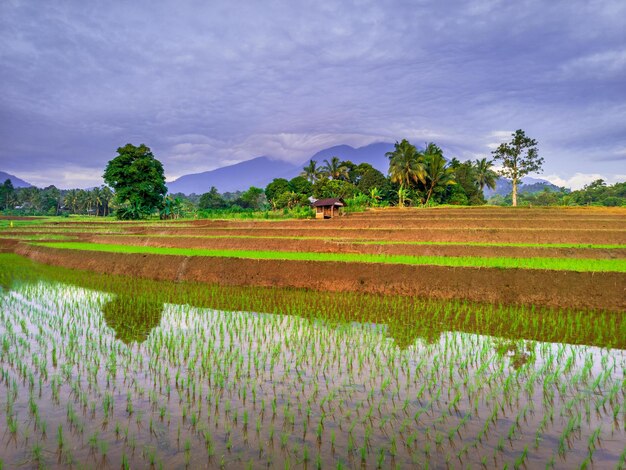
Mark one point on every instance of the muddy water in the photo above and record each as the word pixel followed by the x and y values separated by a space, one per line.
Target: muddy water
pixel 100 379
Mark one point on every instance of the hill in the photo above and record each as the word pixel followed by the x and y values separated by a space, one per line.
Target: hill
pixel 529 185
pixel 261 171
pixel 240 176
pixel 17 182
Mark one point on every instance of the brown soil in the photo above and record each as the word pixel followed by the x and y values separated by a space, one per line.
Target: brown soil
pixel 510 286
pixel 411 234
pixel 331 246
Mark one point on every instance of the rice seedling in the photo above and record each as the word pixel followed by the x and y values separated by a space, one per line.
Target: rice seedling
pixel 373 380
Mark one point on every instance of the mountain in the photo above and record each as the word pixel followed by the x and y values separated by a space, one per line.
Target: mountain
pixel 261 171
pixel 528 185
pixel 374 154
pixel 240 176
pixel 17 182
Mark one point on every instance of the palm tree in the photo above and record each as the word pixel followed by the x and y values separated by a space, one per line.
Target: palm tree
pixel 436 171
pixel 484 175
pixel 405 167
pixel 311 171
pixel 334 169
pixel 84 202
pixel 71 200
pixel 405 164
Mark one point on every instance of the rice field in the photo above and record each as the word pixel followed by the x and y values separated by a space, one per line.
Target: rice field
pixel 122 371
pixel 95 375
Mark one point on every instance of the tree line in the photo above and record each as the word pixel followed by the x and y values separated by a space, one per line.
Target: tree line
pixel 135 186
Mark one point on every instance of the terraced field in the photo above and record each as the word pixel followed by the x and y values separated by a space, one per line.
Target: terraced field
pixel 571 257
pixel 470 338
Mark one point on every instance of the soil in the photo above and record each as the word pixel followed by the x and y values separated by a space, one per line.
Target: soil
pixel 332 246
pixel 495 225
pixel 509 286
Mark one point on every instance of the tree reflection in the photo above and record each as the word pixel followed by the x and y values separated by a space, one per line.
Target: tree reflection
pixel 132 318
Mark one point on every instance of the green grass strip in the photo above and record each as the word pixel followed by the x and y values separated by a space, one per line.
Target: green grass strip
pixel 560 264
pixel 391 242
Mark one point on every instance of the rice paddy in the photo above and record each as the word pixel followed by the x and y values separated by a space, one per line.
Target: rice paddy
pixel 559 264
pixel 95 374
pixel 120 371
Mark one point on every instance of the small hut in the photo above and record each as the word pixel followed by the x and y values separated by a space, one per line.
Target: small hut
pixel 328 208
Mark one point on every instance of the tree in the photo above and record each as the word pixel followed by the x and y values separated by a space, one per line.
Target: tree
pixel 71 200
pixel 253 198
pixel 325 188
pixel 484 175
pixel 436 174
pixel 311 171
pixel 277 187
pixel 518 158
pixel 301 185
pixel 7 195
pixel 406 166
pixel 138 180
pixel 212 200
pixel 334 169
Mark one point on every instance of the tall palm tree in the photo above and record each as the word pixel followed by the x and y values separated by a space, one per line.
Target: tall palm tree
pixel 406 166
pixel 311 171
pixel 71 200
pixel 436 170
pixel 334 169
pixel 484 175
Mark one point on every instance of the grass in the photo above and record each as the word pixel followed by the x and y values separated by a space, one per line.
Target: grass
pixel 558 264
pixel 392 242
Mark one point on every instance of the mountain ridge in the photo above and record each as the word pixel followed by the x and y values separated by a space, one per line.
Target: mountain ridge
pixel 17 182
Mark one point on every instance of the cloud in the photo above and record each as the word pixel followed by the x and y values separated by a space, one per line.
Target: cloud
pixel 578 180
pixel 206 84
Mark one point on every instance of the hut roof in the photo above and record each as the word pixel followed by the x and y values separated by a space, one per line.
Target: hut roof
pixel 333 201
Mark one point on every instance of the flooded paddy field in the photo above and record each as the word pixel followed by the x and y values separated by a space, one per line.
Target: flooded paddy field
pixel 104 371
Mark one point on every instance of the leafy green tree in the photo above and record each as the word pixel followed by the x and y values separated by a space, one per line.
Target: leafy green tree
pixel 212 200
pixel 253 198
pixel 301 185
pixel 326 188
pixel 518 158
pixel 277 187
pixel 138 180
pixel 311 172
pixel 372 178
pixel 291 199
pixel 7 195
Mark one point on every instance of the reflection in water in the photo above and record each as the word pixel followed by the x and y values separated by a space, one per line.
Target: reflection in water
pixel 132 318
pixel 181 386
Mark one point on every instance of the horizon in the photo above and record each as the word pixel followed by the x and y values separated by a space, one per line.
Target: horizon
pixel 207 86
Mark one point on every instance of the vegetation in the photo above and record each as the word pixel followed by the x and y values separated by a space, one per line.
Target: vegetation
pixel 568 264
pixel 518 158
pixel 138 180
pixel 103 370
pixel 416 177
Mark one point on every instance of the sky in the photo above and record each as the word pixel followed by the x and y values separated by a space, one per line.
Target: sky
pixel 210 83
